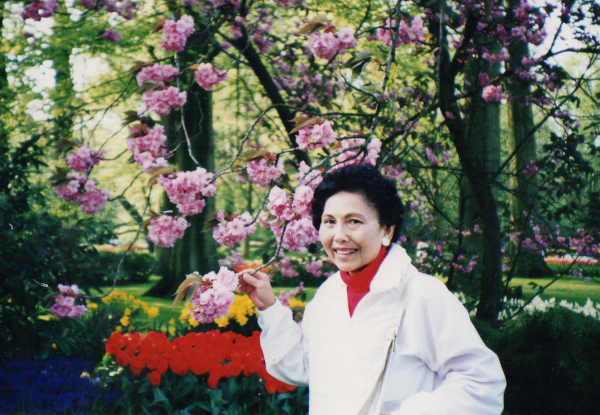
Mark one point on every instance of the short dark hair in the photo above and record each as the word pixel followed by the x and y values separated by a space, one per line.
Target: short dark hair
pixel 366 180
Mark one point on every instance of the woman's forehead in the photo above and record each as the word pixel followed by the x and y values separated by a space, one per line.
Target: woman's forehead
pixel 346 204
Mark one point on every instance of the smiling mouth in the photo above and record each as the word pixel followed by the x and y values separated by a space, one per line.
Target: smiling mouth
pixel 344 251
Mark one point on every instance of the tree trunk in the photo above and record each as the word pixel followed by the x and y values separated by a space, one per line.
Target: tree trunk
pixel 491 291
pixel 524 188
pixel 196 250
pixel 483 142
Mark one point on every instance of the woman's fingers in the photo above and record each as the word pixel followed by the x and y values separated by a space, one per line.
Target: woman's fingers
pixel 258 288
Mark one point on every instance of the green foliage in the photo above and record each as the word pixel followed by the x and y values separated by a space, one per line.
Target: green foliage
pixel 137 267
pixel 550 360
pixel 190 394
pixel 592 271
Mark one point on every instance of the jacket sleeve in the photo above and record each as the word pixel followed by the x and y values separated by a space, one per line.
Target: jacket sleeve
pixel 284 345
pixel 472 381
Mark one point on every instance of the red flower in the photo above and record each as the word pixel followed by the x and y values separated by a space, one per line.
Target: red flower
pixel 154 378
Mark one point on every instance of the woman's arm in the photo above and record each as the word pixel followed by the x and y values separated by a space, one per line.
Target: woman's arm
pixel 282 340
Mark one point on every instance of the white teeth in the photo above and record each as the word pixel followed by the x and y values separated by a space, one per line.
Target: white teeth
pixel 345 251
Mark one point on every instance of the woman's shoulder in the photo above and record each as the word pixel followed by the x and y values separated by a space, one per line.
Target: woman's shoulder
pixel 428 289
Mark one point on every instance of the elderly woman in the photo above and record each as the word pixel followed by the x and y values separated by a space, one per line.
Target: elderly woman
pixel 379 337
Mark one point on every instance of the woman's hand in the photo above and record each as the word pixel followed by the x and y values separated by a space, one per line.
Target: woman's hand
pixel 257 287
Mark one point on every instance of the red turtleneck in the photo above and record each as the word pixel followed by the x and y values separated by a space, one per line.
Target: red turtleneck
pixel 358 285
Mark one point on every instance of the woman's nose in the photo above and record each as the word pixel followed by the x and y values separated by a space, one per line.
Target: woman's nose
pixel 340 234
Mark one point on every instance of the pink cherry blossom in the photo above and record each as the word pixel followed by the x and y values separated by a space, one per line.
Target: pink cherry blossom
pixel 164 100
pixel 493 93
pixel 234 259
pixel 208 75
pixel 88 4
pixel 307 177
pixel 433 159
pixel 84 192
pixel 323 45
pixel 280 204
pixel 406 35
pixel 303 198
pixel 263 171
pixel 148 147
pixel 64 307
pixel 39 9
pixel 287 270
pixel 284 296
pixel 357 156
pixel 83 159
pixel 346 38
pixel 315 268
pixel 157 73
pixel 165 230
pixel 72 290
pixel 233 230
pixel 176 33
pixel 187 189
pixel 213 297
pixel 316 136
pixel 298 234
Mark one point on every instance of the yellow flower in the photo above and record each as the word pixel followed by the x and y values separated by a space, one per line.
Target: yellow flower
pixel 222 322
pixel 119 329
pixel 91 305
pixel 54 346
pixel 125 321
pixel 9 300
pixel 84 375
pixel 296 303
pixel 171 330
pixel 127 312
pixel 172 322
pixel 151 311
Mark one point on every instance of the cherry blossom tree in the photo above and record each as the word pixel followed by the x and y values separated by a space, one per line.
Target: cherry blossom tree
pixel 416 88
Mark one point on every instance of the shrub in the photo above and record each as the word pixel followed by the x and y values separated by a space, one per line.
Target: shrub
pixel 137 268
pixel 550 360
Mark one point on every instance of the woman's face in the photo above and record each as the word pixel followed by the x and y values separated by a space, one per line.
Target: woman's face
pixel 350 231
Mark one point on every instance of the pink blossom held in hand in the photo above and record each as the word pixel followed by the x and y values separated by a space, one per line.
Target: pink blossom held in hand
pixel 64 307
pixel 83 159
pixel 187 189
pixel 264 171
pixel 208 75
pixel 213 297
pixel 165 230
pixel 164 100
pixel 157 73
pixel 39 9
pixel 323 45
pixel 493 93
pixel 176 33
pixel 233 230
pixel 316 136
pixel 111 35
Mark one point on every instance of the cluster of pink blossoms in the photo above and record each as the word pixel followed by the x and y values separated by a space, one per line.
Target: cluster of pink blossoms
pixel 83 159
pixel 298 235
pixel 188 188
pixel 124 8
pixel 287 270
pixel 233 229
pixel 165 230
pixel 39 9
pixel 406 34
pixel 64 303
pixel 162 101
pixel 325 45
pixel 493 93
pixel 315 268
pixel 234 259
pixel 214 295
pixel 264 170
pixel 157 73
pixel 176 33
pixel 434 159
pixel 84 192
pixel 309 178
pixel 531 169
pixel 285 207
pixel 356 156
pixel 208 75
pixel 316 136
pixel 148 147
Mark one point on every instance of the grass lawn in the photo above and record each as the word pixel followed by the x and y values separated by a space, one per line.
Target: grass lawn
pixel 568 288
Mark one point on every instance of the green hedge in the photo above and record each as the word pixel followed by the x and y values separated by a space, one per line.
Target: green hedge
pixel 586 270
pixel 136 269
pixel 551 361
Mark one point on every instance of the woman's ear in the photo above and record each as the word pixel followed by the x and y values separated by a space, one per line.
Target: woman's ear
pixel 388 233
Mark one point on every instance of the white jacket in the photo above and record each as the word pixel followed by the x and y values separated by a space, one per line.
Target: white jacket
pixel 439 366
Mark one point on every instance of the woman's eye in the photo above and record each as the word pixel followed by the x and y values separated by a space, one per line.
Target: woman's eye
pixel 355 221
